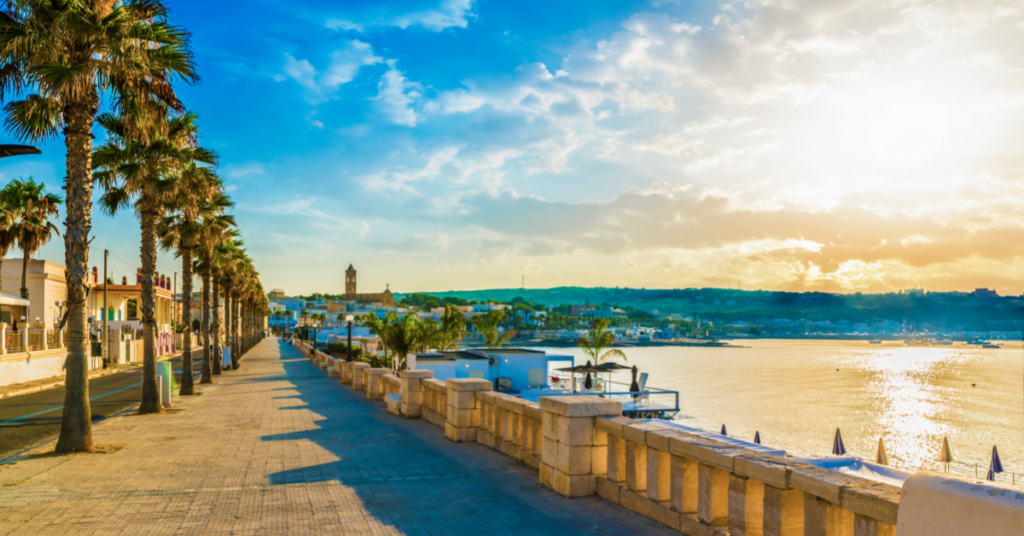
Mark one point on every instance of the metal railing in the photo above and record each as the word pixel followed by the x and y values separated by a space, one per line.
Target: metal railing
pixel 51 338
pixel 977 470
pixel 35 340
pixel 12 341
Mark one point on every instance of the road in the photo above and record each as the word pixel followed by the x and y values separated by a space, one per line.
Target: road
pixel 30 418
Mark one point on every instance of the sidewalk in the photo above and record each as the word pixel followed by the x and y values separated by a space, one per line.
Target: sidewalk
pixel 279 448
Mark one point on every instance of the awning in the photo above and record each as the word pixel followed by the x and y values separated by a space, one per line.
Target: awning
pixel 7 299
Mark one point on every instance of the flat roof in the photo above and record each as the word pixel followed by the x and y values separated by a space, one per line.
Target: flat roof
pixel 510 351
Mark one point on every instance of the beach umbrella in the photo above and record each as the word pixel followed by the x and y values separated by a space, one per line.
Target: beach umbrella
pixel 882 458
pixel 723 431
pixel 991 474
pixel 634 387
pixel 946 455
pixel 757 437
pixel 997 464
pixel 588 383
pixel 838 448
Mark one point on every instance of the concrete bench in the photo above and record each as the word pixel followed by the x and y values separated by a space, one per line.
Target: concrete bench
pixel 393 401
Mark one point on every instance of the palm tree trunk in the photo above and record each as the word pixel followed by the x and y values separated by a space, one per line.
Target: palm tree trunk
pixel 150 390
pixel 76 419
pixel 24 278
pixel 187 383
pixel 218 352
pixel 205 327
pixel 234 329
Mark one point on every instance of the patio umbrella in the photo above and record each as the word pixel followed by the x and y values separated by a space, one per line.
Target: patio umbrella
pixel 946 455
pixel 757 437
pixel 882 457
pixel 634 387
pixel 723 431
pixel 611 367
pixel 997 464
pixel 588 383
pixel 838 448
pixel 991 474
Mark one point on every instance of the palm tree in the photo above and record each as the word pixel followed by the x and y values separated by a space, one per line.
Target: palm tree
pixel 304 315
pixel 488 325
pixel 287 318
pixel 598 344
pixel 143 168
pixel 7 222
pixel 215 229
pixel 59 57
pixel 179 232
pixel 34 210
pixel 453 325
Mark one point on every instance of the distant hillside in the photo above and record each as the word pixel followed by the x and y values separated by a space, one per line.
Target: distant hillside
pixel 732 305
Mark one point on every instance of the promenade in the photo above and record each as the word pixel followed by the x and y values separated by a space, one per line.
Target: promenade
pixel 278 447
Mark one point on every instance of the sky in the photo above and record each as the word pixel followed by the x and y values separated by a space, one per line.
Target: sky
pixel 831 145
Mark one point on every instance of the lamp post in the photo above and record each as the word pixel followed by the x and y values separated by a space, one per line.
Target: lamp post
pixel 349 319
pixel 314 326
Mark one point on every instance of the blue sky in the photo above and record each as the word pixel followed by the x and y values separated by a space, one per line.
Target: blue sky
pixel 443 144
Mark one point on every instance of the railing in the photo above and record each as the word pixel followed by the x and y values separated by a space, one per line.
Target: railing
pixel 35 339
pixel 651 402
pixel 694 483
pixel 51 338
pixel 12 341
pixel 980 471
pixel 391 384
pixel 435 402
pixel 511 425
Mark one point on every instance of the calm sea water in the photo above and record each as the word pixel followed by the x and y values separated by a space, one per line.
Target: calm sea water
pixel 796 393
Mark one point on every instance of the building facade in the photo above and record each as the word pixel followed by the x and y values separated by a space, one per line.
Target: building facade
pixel 385 298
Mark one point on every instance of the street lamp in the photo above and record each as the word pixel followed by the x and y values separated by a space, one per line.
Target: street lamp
pixel 314 326
pixel 349 319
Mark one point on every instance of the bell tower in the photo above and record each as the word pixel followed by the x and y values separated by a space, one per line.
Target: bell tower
pixel 350 280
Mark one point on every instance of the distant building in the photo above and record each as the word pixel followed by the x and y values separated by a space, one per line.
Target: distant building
pixel 277 294
pixel 385 298
pixel 985 293
pixel 914 292
pixel 603 312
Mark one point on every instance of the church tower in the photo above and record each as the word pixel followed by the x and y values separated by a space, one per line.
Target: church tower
pixel 350 280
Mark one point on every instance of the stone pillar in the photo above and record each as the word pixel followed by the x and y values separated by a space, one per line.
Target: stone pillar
pixel 374 383
pixel 636 465
pixel 616 458
pixel 412 391
pixel 357 375
pixel 568 447
pixel 746 506
pixel 822 518
pixel 24 342
pixel 659 466
pixel 46 343
pixel 683 489
pixel 60 339
pixel 783 512
pixel 3 340
pixel 345 374
pixel 712 495
pixel 463 411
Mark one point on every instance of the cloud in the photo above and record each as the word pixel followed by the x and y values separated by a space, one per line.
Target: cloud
pixel 396 96
pixel 345 63
pixel 237 171
pixel 303 207
pixel 447 14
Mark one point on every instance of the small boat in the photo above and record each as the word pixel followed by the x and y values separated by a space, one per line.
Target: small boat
pixel 875 341
pixel 992 346
pixel 978 342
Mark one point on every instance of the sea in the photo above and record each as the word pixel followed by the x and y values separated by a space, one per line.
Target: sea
pixel 796 393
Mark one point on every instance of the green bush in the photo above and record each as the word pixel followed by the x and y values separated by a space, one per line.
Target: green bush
pixel 342 348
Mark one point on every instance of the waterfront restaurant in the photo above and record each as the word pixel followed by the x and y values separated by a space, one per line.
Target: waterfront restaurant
pixel 509 369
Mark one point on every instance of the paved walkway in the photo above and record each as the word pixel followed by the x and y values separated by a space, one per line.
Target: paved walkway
pixel 279 448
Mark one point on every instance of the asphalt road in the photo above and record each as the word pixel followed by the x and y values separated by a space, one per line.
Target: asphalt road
pixel 30 418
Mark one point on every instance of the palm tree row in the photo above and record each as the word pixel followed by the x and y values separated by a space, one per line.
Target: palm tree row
pixel 410 333
pixel 60 63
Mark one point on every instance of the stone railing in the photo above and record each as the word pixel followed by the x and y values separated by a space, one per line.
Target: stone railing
pixel 511 425
pixel 435 402
pixel 697 485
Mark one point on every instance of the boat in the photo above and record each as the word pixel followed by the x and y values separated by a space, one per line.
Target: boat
pixel 978 342
pixel 992 346
pixel 875 341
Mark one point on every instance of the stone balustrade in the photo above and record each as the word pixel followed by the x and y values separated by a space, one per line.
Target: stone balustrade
pixel 435 401
pixel 581 445
pixel 701 486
